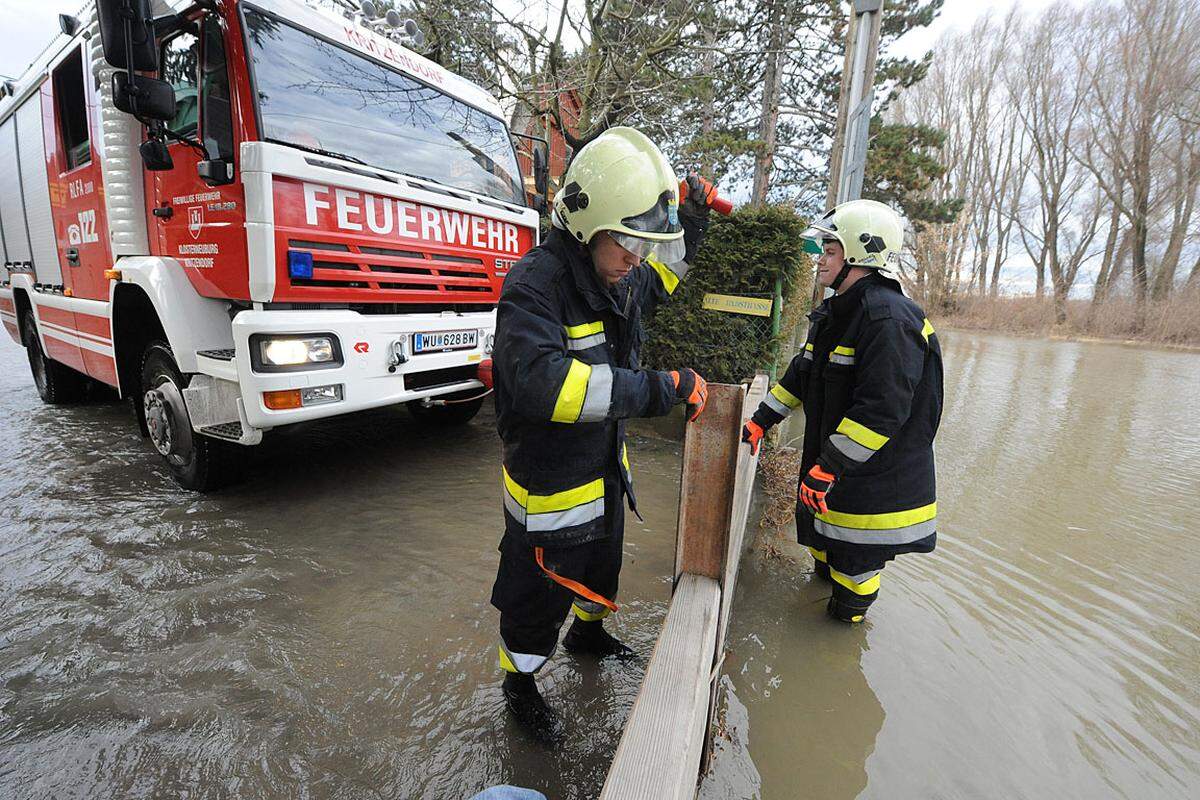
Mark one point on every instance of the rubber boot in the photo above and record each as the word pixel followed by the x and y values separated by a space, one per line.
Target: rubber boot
pixel 846 612
pixel 530 709
pixel 821 570
pixel 590 638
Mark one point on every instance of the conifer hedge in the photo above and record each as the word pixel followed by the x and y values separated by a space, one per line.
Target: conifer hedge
pixel 741 255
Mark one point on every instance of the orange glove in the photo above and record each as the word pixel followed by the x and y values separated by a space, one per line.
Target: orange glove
pixel 814 487
pixel 692 388
pixel 697 189
pixel 753 433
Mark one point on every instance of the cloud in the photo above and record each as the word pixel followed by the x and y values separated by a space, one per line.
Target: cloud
pixel 29 25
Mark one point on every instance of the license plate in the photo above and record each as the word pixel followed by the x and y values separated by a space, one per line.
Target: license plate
pixel 441 341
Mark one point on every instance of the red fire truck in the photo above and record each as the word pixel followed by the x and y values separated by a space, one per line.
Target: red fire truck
pixel 242 214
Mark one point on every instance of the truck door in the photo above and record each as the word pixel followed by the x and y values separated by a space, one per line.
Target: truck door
pixel 199 225
pixel 76 199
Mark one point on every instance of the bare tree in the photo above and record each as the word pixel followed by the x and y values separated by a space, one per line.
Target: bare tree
pixel 1139 75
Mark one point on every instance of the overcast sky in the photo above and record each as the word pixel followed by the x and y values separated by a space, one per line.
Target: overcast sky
pixel 30 24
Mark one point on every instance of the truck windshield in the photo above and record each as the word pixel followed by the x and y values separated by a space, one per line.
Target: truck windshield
pixel 318 96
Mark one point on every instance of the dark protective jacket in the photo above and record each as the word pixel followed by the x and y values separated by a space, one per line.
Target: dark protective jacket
pixel 566 377
pixel 870 382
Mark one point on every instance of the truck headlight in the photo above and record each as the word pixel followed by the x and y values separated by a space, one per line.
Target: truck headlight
pixel 275 353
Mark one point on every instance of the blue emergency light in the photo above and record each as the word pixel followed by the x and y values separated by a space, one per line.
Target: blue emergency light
pixel 300 265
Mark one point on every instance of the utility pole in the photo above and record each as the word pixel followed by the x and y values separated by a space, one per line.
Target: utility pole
pixel 848 157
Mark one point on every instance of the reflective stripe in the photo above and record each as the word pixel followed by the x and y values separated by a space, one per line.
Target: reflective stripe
pixel 850 448
pixel 553 512
pixel 589 334
pixel 520 662
pixel 907 535
pixel 569 498
pixel 599 394
pixel 586 329
pixel 514 508
pixel 861 434
pixel 893 519
pixel 808 351
pixel 515 490
pixel 585 342
pixel 866 583
pixel 665 274
pixel 589 611
pixel 818 555
pixel 571 396
pixel 558 520
pixel 776 406
pixel 625 458
pixel 927 330
pixel 842 355
pixel 898 527
pixel 784 396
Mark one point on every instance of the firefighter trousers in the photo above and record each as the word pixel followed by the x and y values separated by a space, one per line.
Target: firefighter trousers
pixel 533 606
pixel 854 573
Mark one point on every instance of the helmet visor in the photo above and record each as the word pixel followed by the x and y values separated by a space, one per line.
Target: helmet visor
pixel 662 217
pixel 814 238
pixel 668 252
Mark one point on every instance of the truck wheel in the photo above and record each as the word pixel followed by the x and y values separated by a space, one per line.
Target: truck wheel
pixel 458 413
pixel 197 462
pixel 56 383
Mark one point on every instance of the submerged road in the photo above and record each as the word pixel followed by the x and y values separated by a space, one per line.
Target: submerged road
pixel 320 631
pixel 323 630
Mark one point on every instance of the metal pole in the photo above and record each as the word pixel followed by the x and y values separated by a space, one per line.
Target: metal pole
pixel 848 157
pixel 776 317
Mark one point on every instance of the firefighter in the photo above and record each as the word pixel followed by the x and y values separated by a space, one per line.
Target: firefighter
pixel 567 376
pixel 870 382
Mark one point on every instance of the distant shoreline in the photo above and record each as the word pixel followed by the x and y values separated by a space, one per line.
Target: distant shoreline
pixel 1170 325
pixel 949 324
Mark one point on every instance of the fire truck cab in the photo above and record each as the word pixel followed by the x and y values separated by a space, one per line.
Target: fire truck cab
pixel 287 215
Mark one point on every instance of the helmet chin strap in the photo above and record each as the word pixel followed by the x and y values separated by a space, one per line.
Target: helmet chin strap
pixel 841 276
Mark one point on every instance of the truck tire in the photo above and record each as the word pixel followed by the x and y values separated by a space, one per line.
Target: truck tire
pixel 457 413
pixel 196 462
pixel 56 383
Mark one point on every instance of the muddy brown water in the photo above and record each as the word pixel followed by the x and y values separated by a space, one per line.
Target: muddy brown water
pixel 323 630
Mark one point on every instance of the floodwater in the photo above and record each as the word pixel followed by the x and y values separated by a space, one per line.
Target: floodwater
pixel 1050 646
pixel 323 630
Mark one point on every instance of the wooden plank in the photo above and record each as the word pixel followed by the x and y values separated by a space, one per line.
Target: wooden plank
pixel 710 452
pixel 743 492
pixel 659 754
pixel 666 736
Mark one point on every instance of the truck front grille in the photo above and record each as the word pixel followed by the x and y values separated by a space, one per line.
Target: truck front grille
pixel 388 272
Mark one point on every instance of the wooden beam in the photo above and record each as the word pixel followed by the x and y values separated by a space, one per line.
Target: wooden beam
pixel 659 754
pixel 666 736
pixel 743 491
pixel 710 453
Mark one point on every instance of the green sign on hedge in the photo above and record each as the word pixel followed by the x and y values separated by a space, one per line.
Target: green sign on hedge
pixel 754 306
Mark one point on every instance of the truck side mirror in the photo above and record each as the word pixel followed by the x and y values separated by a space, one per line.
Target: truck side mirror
pixel 155 155
pixel 146 98
pixel 127 34
pixel 541 169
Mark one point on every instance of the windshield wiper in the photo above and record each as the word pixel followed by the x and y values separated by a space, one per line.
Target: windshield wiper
pixel 320 151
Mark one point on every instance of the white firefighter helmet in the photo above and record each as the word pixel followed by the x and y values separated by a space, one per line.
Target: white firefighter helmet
pixel 871 234
pixel 621 182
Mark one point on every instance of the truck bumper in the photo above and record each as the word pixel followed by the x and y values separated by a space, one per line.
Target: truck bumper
pixel 377 364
